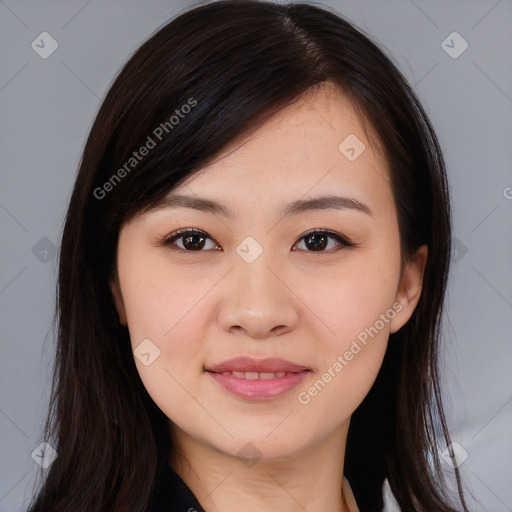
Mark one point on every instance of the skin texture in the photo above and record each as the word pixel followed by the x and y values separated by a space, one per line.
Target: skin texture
pixel 307 306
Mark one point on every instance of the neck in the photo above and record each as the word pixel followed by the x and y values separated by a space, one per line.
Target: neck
pixel 310 479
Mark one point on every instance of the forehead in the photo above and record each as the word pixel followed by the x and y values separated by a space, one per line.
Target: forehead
pixel 304 140
pixel 295 162
pixel 311 143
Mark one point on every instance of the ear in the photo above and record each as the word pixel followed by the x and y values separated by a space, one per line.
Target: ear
pixel 115 288
pixel 409 288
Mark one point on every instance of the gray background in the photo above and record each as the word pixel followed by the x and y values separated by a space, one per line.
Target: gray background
pixel 47 108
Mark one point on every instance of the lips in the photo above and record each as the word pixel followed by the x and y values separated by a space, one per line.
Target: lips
pixel 254 379
pixel 249 365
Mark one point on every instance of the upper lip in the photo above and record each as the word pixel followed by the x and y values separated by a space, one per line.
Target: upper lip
pixel 248 364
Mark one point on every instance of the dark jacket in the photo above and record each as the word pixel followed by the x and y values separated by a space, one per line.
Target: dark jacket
pixel 171 494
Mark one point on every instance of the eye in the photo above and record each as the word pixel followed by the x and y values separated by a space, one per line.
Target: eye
pixel 318 240
pixel 194 240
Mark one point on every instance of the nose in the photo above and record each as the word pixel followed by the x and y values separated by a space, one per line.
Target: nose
pixel 258 302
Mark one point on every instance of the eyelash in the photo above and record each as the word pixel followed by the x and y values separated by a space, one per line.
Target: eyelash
pixel 342 240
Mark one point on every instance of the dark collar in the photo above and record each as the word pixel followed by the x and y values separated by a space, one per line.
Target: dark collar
pixel 171 494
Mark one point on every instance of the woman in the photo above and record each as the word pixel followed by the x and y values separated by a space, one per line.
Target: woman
pixel 251 278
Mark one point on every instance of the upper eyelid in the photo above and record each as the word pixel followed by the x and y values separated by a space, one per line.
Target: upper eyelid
pixel 184 231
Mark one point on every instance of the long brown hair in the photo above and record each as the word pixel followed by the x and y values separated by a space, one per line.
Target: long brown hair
pixel 235 63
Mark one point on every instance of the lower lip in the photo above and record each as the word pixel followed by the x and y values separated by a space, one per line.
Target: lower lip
pixel 259 389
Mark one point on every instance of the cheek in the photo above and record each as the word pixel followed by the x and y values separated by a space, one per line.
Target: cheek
pixel 354 300
pixel 162 305
pixel 163 308
pixel 165 317
pixel 350 356
pixel 356 309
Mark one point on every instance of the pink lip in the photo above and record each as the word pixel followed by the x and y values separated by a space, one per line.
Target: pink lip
pixel 258 389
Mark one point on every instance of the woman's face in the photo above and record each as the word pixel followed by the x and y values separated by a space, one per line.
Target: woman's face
pixel 251 284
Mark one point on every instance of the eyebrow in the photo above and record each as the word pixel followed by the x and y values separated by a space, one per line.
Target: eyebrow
pixel 302 205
